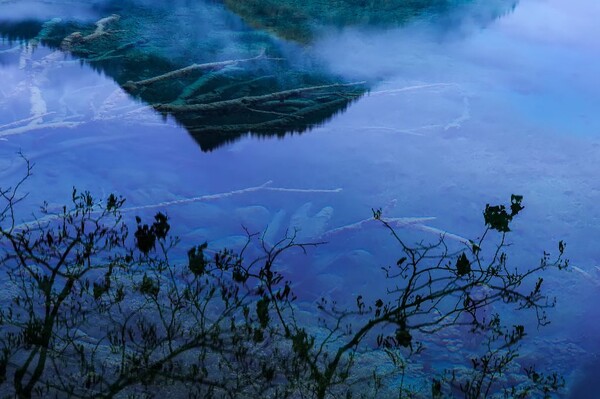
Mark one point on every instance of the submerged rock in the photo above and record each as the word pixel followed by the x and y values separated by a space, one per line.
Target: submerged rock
pixel 255 217
pixel 310 226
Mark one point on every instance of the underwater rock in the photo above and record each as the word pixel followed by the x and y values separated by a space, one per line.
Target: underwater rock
pixel 254 218
pixel 316 286
pixel 310 226
pixel 336 275
pixel 234 242
pixel 273 232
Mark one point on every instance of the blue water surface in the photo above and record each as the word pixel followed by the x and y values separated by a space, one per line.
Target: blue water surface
pixel 454 121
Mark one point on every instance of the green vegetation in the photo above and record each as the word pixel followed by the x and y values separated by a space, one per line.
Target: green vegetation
pixel 297 20
pixel 92 311
pixel 219 78
pixel 301 20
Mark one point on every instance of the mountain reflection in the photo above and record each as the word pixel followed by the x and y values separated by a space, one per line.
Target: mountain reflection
pixel 209 68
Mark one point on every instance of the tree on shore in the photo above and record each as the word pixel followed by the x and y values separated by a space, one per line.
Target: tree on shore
pixel 92 309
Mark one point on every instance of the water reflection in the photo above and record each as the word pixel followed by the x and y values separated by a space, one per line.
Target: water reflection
pixel 201 64
pixel 214 74
pixel 451 122
pixel 305 21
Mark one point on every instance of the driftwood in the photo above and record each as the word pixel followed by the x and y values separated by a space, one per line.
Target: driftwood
pixel 245 102
pixel 207 197
pixel 211 197
pixel 15 49
pixel 23 121
pixel 133 86
pixel 415 87
pixel 215 95
pixel 109 55
pixel 31 128
pixel 193 89
pixel 282 122
pixel 394 222
pixel 77 38
pixel 415 223
pixel 443 233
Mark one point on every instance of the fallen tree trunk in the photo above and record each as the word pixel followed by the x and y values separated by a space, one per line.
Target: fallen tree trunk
pixel 245 102
pixel 133 86
pixel 76 37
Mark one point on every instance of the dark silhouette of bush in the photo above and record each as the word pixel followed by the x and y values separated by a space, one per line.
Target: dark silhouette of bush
pixel 90 312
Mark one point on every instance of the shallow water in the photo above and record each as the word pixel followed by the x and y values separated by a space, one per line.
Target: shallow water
pixel 454 119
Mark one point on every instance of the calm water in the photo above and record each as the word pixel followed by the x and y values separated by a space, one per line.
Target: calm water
pixel 455 118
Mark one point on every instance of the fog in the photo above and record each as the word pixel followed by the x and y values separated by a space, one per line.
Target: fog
pixel 530 81
pixel 543 55
pixel 463 110
pixel 566 28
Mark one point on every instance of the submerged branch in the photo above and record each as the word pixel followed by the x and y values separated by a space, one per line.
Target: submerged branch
pixel 30 128
pixel 207 197
pixel 76 37
pixel 395 222
pixel 23 121
pixel 133 86
pixel 244 102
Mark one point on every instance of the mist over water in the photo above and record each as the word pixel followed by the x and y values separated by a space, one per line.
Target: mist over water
pixel 542 54
pixel 457 116
pixel 467 118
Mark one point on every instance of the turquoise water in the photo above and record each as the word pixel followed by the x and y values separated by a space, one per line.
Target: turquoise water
pixel 454 119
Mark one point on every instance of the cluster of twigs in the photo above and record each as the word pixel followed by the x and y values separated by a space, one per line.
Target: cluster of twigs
pixel 90 310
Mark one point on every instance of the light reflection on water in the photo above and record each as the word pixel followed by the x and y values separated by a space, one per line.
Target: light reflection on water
pixel 454 123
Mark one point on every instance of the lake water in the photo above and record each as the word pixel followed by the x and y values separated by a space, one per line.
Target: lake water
pixel 454 118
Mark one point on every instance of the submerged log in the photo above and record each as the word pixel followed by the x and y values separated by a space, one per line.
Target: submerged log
pixel 245 102
pixel 77 38
pixel 248 92
pixel 133 86
pixel 190 92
